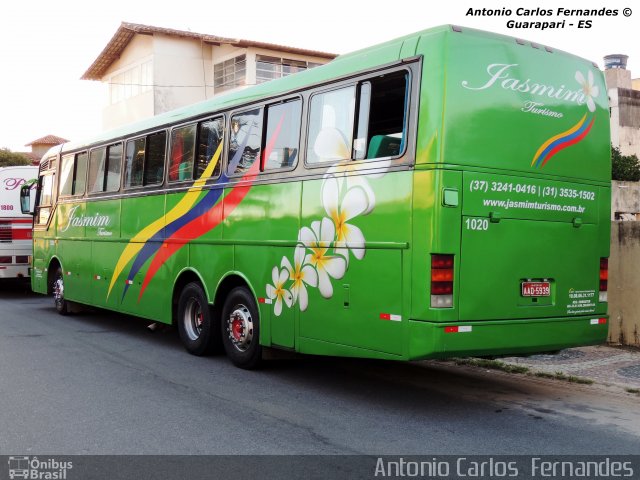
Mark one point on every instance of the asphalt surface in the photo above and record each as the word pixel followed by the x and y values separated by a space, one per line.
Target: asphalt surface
pixel 101 383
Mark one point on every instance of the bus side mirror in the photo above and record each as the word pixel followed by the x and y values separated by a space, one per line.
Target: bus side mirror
pixel 26 193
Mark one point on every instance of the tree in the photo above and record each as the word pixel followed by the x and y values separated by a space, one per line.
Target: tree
pixel 8 158
pixel 624 167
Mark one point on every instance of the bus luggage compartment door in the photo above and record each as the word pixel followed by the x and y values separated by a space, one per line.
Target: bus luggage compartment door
pixel 527 254
pixel 505 270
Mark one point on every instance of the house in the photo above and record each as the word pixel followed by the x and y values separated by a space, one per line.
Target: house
pixel 624 105
pixel 40 146
pixel 151 70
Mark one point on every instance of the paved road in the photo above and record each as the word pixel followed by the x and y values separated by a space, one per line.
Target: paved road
pixel 100 383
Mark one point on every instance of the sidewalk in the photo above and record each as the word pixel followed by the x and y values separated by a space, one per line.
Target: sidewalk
pixel 602 364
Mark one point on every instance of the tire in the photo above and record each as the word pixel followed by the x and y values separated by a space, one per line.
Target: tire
pixel 240 324
pixel 57 289
pixel 199 330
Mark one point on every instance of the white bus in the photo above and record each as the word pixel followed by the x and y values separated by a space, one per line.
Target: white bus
pixel 15 228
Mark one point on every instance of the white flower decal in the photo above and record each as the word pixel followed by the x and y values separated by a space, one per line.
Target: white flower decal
pixel 277 291
pixel 318 239
pixel 322 253
pixel 348 172
pixel 588 89
pixel 301 274
pixel 354 203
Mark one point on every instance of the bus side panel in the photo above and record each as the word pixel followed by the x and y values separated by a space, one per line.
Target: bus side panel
pixel 267 217
pixel 142 226
pixel 358 303
pixel 40 263
pixel 101 221
pixel 436 229
pixel 73 251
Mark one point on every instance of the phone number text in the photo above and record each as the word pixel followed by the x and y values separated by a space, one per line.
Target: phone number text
pixel 545 192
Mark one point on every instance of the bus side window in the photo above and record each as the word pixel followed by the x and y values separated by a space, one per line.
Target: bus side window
pixel 114 166
pixel 66 175
pixel 134 162
pixel 382 119
pixel 80 174
pixel 283 128
pixel 246 137
pixel 44 199
pixel 331 125
pixel 209 139
pixel 154 162
pixel 183 142
pixel 97 165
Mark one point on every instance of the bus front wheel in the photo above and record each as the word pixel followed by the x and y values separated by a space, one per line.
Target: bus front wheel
pixel 57 288
pixel 197 326
pixel 241 329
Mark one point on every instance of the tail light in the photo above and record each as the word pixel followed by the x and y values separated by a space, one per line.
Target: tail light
pixel 604 278
pixel 441 281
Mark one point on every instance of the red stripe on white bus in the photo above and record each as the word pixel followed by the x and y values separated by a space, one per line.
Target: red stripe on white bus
pixel 21 234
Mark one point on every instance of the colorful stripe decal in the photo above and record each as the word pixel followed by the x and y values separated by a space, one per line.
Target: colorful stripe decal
pixel 154 229
pixel 561 141
pixel 211 218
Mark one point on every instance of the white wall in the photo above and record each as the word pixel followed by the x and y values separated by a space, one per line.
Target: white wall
pixel 182 74
pixel 139 51
pixel 181 71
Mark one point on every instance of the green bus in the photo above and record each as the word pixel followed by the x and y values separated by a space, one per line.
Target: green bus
pixel 442 194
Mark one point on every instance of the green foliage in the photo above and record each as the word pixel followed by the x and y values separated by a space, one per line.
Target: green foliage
pixel 9 158
pixel 624 167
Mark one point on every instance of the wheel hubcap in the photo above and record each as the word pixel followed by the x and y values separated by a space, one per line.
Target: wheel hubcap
pixel 240 328
pixel 193 319
pixel 58 291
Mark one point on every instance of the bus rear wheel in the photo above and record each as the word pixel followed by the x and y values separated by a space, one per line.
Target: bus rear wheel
pixel 57 288
pixel 198 328
pixel 241 329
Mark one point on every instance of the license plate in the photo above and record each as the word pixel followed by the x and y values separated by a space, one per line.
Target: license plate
pixel 536 289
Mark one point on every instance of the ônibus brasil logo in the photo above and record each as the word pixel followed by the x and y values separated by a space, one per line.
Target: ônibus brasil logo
pixel 501 74
pixel 34 468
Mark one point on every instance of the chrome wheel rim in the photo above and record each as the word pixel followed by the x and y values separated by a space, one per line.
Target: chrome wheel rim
pixel 58 291
pixel 240 328
pixel 193 319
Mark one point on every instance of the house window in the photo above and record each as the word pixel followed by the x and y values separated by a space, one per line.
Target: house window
pixel 230 73
pixel 270 68
pixel 132 82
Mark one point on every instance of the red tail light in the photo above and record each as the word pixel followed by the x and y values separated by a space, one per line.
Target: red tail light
pixel 604 279
pixel 441 281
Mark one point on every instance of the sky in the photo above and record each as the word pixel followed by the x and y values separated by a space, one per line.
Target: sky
pixel 45 46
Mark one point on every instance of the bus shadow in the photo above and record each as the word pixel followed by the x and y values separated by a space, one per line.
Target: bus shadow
pixel 11 288
pixel 380 383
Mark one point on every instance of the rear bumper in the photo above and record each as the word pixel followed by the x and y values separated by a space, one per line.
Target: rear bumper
pixel 503 337
pixel 14 271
